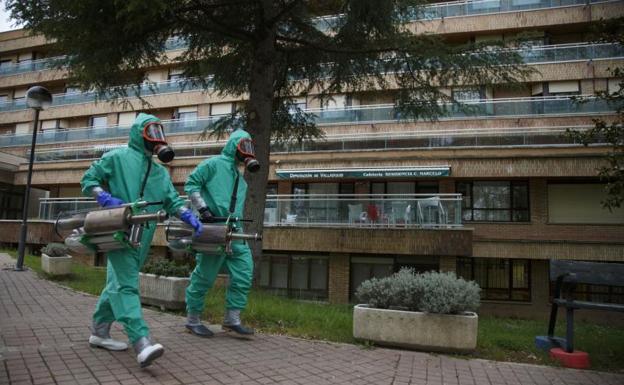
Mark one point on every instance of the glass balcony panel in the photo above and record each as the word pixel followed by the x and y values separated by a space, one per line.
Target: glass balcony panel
pixel 387 210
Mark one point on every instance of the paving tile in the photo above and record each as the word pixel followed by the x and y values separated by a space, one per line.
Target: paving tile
pixel 47 328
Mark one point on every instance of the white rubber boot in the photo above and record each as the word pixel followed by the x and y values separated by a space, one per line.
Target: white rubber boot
pixel 100 338
pixel 147 352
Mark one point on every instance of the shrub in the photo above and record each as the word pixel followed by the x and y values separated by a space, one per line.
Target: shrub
pixel 55 250
pixel 168 268
pixel 430 292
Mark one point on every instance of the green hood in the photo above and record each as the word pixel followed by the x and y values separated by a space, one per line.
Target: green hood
pixel 136 131
pixel 229 150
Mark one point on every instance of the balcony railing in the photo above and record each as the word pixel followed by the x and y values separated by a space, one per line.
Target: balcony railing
pixel 452 138
pixel 380 210
pixel 376 210
pixel 467 8
pixel 369 114
pixel 173 43
pixel 537 54
pixel 145 89
pixel 480 7
pixel 433 11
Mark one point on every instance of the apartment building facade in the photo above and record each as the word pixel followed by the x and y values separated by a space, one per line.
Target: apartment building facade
pixel 492 195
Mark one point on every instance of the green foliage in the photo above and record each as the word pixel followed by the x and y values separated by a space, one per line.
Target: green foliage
pixel 55 250
pixel 430 292
pixel 611 130
pixel 168 268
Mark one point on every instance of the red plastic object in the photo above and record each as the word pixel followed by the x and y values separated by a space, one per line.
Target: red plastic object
pixel 576 360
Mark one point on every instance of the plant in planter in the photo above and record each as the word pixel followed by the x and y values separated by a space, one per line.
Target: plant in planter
pixel 163 282
pixel 430 311
pixel 55 260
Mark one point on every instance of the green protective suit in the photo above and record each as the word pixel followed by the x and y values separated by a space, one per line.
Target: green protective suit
pixel 214 179
pixel 121 172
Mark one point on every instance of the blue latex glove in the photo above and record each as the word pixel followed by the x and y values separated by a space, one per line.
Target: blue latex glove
pixel 106 200
pixel 187 216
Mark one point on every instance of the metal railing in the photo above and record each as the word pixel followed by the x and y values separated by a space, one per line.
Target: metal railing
pixel 369 114
pixel 171 44
pixel 571 52
pixel 450 138
pixel 468 8
pixel 480 7
pixel 145 89
pixel 359 210
pixel 536 54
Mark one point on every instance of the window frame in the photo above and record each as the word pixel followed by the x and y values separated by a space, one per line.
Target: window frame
pixel 470 261
pixel 512 209
pixel 92 119
pixel 314 294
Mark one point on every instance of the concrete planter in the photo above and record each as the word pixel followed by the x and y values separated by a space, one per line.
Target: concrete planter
pixel 56 265
pixel 166 292
pixel 416 330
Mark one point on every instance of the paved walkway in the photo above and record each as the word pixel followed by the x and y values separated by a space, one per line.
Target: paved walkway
pixel 43 331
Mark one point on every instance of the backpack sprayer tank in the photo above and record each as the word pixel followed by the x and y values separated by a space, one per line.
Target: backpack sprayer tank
pixel 109 228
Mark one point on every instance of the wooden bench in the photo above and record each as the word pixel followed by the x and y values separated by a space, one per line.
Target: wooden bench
pixel 567 274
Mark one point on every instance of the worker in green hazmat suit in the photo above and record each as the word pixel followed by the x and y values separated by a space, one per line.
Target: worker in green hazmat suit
pixel 216 188
pixel 125 175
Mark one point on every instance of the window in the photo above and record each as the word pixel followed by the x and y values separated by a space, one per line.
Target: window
pixel 581 203
pixel 593 293
pixel 495 201
pixel 186 114
pixel 499 279
pixel 126 119
pixel 364 268
pixel 564 88
pixel 98 121
pixel 175 74
pixel 11 201
pixel 4 98
pixel 297 276
pixel 217 109
pixel 49 125
pixel 420 187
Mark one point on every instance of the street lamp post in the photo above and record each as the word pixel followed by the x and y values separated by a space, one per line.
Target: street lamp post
pixel 37 98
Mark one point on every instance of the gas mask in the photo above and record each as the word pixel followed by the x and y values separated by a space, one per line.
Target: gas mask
pixel 246 154
pixel 155 142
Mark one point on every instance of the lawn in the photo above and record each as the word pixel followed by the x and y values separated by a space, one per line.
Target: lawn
pixel 502 339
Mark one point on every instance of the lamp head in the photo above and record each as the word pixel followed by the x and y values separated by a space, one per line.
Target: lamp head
pixel 38 97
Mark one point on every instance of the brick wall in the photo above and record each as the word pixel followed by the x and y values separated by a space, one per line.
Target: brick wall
pixel 338 285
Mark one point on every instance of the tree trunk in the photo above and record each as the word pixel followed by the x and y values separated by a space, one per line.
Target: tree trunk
pixel 260 110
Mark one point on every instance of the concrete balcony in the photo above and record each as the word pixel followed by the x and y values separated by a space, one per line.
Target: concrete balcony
pixel 393 223
pixel 538 55
pixel 496 16
pixel 352 116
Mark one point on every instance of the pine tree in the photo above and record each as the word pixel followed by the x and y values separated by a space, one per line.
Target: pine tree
pixel 267 53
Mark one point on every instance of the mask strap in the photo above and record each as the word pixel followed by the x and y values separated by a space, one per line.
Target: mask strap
pixel 234 194
pixel 149 168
